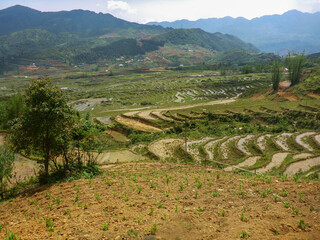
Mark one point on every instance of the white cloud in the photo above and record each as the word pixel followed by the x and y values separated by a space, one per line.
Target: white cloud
pixel 120 5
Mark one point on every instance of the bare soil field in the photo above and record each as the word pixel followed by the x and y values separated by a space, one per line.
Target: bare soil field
pixel 149 200
pixel 135 124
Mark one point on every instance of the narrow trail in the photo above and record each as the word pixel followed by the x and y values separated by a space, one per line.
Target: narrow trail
pixel 248 162
pixel 302 166
pixel 243 142
pixel 317 138
pixel 276 161
pixel 299 140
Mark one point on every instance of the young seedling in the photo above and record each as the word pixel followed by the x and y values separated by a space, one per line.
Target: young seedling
pixel 50 206
pixel 160 204
pixel 200 210
pixel 243 218
pixel 164 216
pixel 275 197
pixel 85 206
pixel 57 200
pixel 49 224
pixel 67 212
pixel 97 197
pixel 214 193
pixel 167 193
pixel 244 234
pixel 151 211
pixel 176 208
pixel 302 225
pixel 223 213
pixel 138 190
pixel 153 229
pixel 311 208
pixel 12 236
pixel 295 211
pixel 196 195
pixel 286 204
pixel 47 195
pixel 284 193
pixel 105 226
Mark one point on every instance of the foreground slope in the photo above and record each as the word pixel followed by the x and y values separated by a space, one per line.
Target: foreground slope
pixel 170 201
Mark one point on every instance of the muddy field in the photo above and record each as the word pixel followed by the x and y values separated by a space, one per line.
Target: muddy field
pixel 167 201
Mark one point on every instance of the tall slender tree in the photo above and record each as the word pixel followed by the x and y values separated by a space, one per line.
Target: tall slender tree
pixel 295 67
pixel 276 75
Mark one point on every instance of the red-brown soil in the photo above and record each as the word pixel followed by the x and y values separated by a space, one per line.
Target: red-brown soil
pixel 287 95
pixel 177 199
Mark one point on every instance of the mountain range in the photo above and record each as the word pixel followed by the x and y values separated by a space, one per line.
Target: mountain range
pixel 291 31
pixel 80 36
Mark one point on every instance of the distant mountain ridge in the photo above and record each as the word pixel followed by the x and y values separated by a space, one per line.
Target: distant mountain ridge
pixel 213 41
pixel 83 22
pixel 292 30
pixel 78 36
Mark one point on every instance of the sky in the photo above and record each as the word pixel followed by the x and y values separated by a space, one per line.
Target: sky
pixel 143 11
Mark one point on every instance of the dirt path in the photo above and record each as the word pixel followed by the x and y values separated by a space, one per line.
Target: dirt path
pixel 281 140
pixel 135 124
pixel 209 147
pixel 317 138
pixel 299 140
pixel 262 141
pixel 224 148
pixel 243 142
pixel 164 148
pixel 248 162
pixel 302 166
pixel 276 161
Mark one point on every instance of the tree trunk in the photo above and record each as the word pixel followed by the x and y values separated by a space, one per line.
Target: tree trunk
pixel 46 168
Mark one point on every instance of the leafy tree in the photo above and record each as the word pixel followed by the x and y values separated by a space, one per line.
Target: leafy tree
pixel 246 69
pixel 44 128
pixel 6 167
pixel 275 76
pixel 295 63
pixel 10 110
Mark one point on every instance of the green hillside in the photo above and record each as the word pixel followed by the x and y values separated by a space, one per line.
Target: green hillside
pixel 214 41
pixel 85 23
